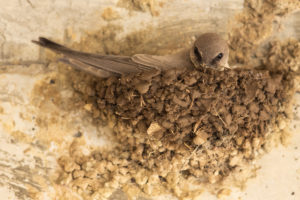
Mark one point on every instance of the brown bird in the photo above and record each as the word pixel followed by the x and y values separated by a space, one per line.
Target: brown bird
pixel 208 50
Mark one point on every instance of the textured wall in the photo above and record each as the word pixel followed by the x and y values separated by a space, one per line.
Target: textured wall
pixel 24 20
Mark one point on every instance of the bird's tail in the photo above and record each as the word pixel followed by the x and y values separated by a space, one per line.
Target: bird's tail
pixel 44 42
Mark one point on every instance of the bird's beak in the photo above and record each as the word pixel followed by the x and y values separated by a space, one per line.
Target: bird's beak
pixel 226 66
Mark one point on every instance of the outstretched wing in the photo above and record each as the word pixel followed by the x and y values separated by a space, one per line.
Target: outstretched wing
pixel 100 65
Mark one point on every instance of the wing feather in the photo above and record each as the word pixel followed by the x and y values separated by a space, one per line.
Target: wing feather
pixel 99 65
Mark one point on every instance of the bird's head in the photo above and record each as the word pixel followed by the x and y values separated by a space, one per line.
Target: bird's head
pixel 210 50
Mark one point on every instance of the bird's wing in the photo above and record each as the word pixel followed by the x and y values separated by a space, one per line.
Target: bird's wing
pixel 180 59
pixel 103 65
pixel 150 60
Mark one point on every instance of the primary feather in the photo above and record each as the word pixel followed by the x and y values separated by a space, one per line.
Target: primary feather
pixel 94 63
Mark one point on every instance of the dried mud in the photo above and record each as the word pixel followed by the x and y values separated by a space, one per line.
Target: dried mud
pixel 180 126
pixel 255 26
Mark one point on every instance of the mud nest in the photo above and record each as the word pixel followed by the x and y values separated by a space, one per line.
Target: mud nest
pixel 203 123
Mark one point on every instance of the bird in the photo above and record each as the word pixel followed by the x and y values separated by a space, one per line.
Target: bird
pixel 208 50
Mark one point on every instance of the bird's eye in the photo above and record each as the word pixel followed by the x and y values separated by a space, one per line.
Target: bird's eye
pixel 219 56
pixel 197 54
pixel 217 59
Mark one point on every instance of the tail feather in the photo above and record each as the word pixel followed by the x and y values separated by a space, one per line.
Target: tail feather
pixel 44 42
